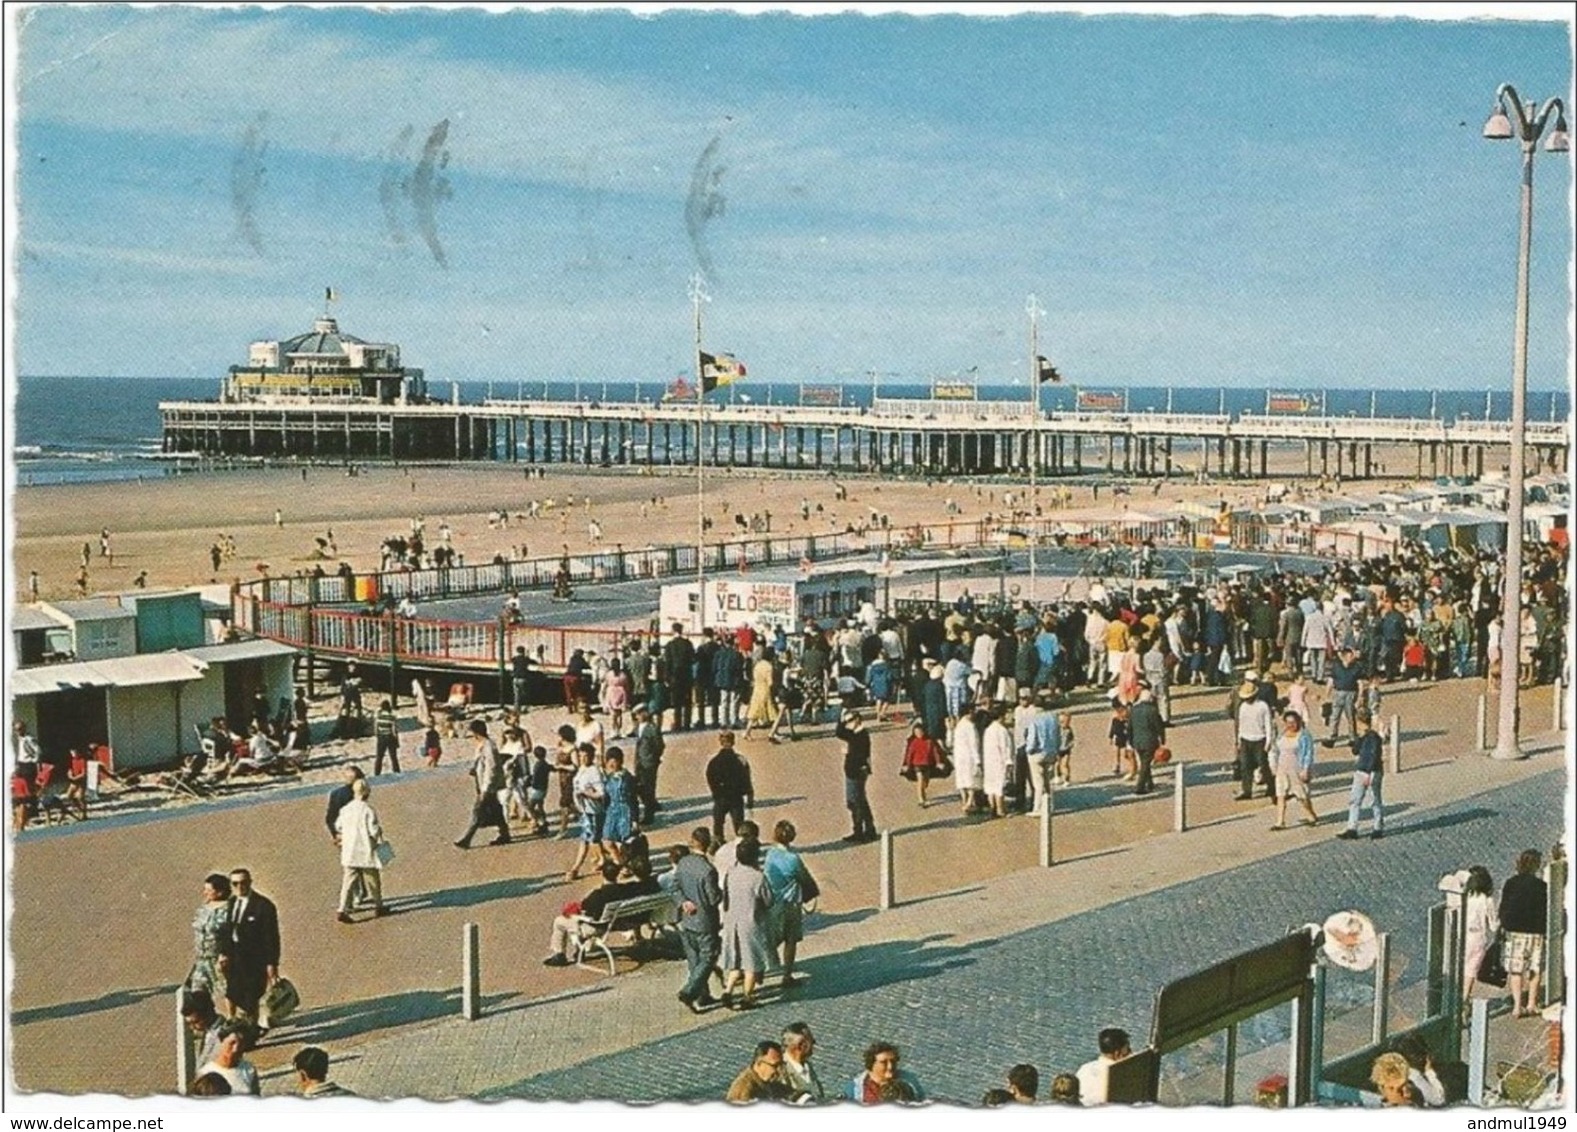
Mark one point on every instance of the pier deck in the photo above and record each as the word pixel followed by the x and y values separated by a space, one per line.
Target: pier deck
pixel 893 437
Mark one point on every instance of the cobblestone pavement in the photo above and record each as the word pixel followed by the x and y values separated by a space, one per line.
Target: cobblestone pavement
pixel 964 1007
pixel 962 1016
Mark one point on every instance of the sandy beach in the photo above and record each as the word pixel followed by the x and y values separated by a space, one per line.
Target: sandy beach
pixel 166 526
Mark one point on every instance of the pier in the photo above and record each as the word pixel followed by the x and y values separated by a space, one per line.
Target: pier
pixel 893 437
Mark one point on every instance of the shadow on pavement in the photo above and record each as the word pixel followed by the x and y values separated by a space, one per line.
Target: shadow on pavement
pixel 526 1002
pixel 821 922
pixel 880 964
pixel 1443 821
pixel 467 896
pixel 112 1001
pixel 926 899
pixel 342 1021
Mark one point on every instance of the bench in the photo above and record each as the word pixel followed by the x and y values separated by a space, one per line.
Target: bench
pixel 639 917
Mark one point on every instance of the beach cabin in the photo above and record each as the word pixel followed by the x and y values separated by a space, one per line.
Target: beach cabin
pixel 96 628
pixel 133 704
pixel 233 673
pixel 769 598
pixel 135 674
pixel 167 620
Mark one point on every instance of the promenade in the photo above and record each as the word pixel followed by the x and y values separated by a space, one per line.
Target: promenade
pixel 1019 963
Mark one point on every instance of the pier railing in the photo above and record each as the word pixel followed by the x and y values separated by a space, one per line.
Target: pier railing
pixel 315 614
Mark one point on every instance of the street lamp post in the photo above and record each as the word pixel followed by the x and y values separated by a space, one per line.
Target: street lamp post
pixel 1510 118
pixel 1033 308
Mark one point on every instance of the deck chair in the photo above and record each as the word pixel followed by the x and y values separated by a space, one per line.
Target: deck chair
pixel 457 706
pixel 52 795
pixel 192 779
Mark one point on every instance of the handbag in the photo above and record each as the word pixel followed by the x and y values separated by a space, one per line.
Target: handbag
pixel 385 853
pixel 1492 968
pixel 279 1002
pixel 1162 755
pixel 808 888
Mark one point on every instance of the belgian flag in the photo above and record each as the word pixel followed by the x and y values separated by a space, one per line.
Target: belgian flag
pixel 1045 371
pixel 719 369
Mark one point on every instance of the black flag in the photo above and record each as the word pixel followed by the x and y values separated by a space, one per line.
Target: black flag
pixel 1046 371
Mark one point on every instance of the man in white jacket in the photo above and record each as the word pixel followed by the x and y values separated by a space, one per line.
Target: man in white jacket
pixel 1095 637
pixel 359 837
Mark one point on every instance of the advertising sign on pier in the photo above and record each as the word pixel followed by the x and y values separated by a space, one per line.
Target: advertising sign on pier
pixel 1293 403
pixel 1101 401
pixel 953 391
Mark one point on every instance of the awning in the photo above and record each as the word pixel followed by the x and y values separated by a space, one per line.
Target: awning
pixel 239 650
pixel 25 617
pixel 119 672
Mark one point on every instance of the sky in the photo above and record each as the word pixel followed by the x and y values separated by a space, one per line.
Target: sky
pixel 1254 201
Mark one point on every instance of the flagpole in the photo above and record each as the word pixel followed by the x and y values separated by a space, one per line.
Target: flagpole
pixel 1033 308
pixel 698 296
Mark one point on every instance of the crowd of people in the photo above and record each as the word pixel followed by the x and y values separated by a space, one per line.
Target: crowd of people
pixel 782 1070
pixel 989 691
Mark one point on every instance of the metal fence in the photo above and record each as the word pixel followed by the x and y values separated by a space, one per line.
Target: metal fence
pixel 311 612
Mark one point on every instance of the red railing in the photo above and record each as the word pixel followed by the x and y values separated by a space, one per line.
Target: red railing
pixel 286 609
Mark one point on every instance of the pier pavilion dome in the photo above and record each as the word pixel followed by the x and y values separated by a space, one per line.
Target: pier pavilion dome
pixel 323 340
pixel 325 363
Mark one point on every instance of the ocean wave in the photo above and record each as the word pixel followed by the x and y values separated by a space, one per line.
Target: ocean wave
pixel 50 452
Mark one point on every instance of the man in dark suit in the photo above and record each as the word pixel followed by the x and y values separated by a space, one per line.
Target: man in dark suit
pixel 1147 732
pixel 254 954
pixel 707 699
pixel 678 662
pixel 700 898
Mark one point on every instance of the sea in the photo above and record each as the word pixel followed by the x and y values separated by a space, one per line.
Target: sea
pixel 93 429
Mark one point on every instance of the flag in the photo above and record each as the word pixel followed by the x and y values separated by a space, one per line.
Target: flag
pixel 1045 371
pixel 328 295
pixel 719 369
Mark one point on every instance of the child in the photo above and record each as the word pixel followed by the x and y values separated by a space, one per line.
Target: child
pixel 22 800
pixel 879 683
pixel 1122 752
pixel 1298 697
pixel 537 790
pixel 1413 658
pixel 564 765
pixel 77 784
pixel 1063 774
pixel 432 744
pixel 923 760
pixel 516 768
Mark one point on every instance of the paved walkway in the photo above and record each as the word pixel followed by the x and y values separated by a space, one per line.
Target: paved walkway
pixel 379 985
pixel 1024 967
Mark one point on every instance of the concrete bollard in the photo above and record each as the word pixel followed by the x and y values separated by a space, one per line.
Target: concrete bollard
pixel 1179 797
pixel 1047 805
pixel 1396 744
pixel 185 1048
pixel 470 973
pixel 1382 988
pixel 1482 731
pixel 1477 1050
pixel 884 897
pixel 1558 706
